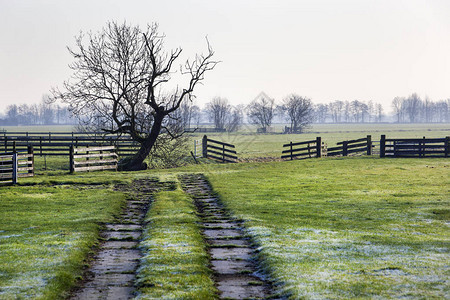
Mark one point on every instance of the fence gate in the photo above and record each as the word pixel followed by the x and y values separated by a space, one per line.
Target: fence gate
pixel 92 159
pixel 431 147
pixel 17 164
pixel 218 150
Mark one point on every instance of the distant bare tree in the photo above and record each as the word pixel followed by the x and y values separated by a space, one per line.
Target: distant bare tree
pixel 321 112
pixel 397 103
pixel 299 112
pixel 117 84
pixel 412 106
pixel 218 111
pixel 260 111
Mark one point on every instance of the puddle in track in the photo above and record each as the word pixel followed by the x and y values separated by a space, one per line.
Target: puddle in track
pixel 233 262
pixel 112 272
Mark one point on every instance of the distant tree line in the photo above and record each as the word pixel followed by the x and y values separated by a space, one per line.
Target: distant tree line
pixel 413 109
pixel 297 111
pixel 44 113
pixel 349 112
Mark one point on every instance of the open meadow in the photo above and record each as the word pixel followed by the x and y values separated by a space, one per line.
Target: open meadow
pixel 328 228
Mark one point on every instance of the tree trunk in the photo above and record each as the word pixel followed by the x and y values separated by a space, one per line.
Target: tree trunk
pixel 136 163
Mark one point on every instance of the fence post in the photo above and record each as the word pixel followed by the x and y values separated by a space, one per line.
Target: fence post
pixel 40 144
pixel 369 145
pixel 14 146
pixel 318 146
pixel 344 148
pixel 447 145
pixel 383 146
pixel 291 150
pixel 71 159
pixel 422 148
pixel 223 153
pixel 14 168
pixel 205 146
pixel 6 143
pixel 30 160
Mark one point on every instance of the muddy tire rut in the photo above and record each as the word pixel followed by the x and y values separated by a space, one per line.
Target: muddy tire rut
pixel 112 271
pixel 236 270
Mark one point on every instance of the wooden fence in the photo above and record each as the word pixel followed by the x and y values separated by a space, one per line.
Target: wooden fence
pixel 431 147
pixel 308 149
pixel 93 158
pixel 344 148
pixel 16 165
pixel 218 150
pixel 57 143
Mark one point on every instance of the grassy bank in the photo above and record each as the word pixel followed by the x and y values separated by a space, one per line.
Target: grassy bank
pixel 176 260
pixel 345 228
pixel 47 230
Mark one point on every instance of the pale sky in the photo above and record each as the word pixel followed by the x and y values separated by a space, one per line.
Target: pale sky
pixel 323 49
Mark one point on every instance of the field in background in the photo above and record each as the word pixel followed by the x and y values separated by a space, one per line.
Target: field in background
pixel 250 145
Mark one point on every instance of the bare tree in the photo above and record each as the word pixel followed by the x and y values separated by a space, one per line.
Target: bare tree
pixel 299 112
pixel 412 107
pixel 117 83
pixel 218 110
pixel 397 103
pixel 321 112
pixel 261 110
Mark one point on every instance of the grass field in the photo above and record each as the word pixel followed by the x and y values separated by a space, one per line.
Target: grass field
pixel 176 260
pixel 250 145
pixel 347 228
pixel 333 228
pixel 47 228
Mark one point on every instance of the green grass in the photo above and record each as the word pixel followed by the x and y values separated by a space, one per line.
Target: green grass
pixel 176 260
pixel 47 228
pixel 346 228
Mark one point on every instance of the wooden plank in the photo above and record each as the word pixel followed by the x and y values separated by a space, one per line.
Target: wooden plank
pixel 357 150
pixel 332 149
pixel 357 145
pixel 300 143
pixel 298 149
pixel 405 146
pixel 431 140
pixel 23 169
pixel 219 148
pixel 93 162
pixel 353 141
pixel 95 155
pixel 300 154
pixel 95 168
pixel 220 143
pixel 6 176
pixel 221 154
pixel 105 148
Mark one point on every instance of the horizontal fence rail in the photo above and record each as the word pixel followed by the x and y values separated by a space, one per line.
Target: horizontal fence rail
pixel 16 165
pixel 307 149
pixel 57 143
pixel 344 148
pixel 219 151
pixel 93 159
pixel 425 147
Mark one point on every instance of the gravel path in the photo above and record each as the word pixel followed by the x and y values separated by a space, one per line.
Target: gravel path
pixel 233 262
